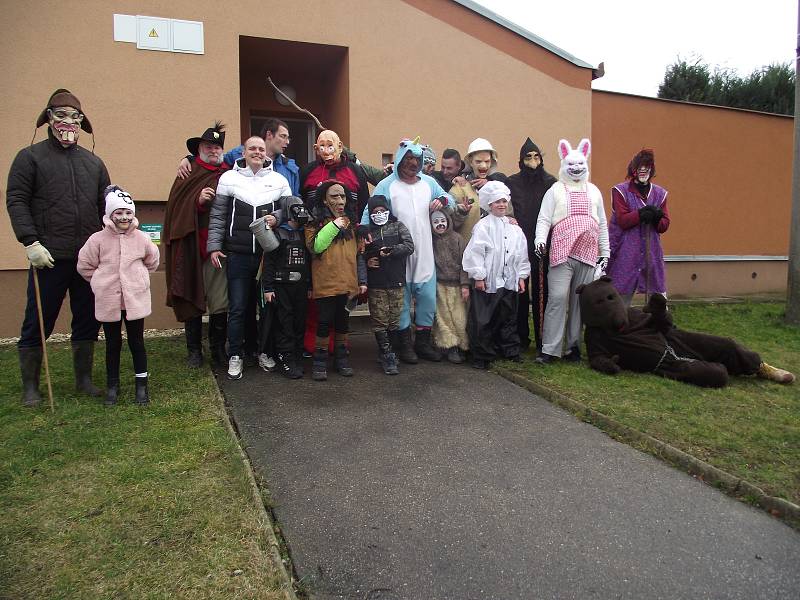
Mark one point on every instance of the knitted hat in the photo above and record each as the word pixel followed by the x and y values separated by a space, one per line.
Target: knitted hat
pixel 428 155
pixel 62 97
pixel 492 191
pixel 116 198
pixel 212 135
pixel 376 201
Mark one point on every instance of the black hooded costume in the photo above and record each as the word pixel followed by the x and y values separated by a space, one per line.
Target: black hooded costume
pixel 528 187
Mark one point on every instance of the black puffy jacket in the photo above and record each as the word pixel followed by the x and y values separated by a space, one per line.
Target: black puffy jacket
pixel 392 270
pixel 55 195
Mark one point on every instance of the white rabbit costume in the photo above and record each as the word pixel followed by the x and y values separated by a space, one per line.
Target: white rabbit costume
pixel 572 214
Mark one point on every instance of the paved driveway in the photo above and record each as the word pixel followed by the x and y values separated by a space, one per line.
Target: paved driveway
pixel 449 483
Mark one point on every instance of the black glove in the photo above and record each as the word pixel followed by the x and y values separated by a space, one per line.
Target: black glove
pixel 646 215
pixel 657 214
pixel 362 231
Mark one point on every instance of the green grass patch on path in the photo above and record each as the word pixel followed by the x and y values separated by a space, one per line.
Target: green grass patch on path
pixel 750 429
pixel 126 502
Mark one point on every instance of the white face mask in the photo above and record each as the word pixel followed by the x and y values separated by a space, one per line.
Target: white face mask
pixel 380 218
pixel 438 222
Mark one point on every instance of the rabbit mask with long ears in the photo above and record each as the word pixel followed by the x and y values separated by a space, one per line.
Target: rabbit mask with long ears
pixel 574 163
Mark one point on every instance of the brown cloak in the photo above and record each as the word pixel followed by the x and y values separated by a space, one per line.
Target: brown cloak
pixel 181 239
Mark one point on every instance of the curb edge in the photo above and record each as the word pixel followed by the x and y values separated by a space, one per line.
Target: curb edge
pixel 268 530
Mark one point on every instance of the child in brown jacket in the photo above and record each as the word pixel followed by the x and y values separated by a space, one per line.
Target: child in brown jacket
pixel 338 273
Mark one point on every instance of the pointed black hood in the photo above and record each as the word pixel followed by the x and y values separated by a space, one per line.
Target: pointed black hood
pixel 527 147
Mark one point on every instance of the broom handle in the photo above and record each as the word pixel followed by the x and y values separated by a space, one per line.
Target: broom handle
pixel 41 333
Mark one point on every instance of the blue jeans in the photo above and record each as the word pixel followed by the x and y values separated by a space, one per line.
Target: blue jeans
pixel 242 286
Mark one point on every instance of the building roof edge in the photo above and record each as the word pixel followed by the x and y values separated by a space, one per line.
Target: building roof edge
pixel 530 36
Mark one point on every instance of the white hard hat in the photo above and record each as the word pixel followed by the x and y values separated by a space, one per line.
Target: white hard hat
pixel 480 145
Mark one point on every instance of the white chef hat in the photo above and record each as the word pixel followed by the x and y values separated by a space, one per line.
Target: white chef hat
pixel 492 191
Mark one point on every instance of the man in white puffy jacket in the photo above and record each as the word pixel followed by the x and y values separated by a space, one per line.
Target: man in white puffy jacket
pixel 572 209
pixel 248 191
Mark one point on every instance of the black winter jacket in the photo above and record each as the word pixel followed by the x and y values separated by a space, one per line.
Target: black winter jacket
pixel 392 270
pixel 55 196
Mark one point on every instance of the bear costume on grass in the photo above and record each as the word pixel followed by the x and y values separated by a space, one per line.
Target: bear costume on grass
pixel 647 341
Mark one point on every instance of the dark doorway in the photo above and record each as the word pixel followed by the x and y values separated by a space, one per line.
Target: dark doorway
pixel 317 72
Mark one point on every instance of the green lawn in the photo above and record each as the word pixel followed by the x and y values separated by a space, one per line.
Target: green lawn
pixel 126 502
pixel 750 429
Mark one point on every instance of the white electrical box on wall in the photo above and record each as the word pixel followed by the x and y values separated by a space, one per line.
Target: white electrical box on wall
pixel 187 36
pixel 153 33
pixel 158 33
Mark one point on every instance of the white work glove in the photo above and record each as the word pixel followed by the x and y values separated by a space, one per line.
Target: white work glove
pixel 39 256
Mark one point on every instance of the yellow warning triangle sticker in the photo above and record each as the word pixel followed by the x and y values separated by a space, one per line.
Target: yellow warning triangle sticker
pixel 152 33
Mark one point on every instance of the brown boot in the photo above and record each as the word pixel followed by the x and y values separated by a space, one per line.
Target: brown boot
pixel 775 374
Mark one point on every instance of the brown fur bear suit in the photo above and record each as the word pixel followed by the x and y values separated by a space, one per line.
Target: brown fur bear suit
pixel 646 341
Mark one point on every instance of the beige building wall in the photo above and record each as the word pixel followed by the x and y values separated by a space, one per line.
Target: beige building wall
pixel 430 68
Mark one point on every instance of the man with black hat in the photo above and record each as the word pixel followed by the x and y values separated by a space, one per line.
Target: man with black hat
pixel 527 190
pixel 55 202
pixel 194 286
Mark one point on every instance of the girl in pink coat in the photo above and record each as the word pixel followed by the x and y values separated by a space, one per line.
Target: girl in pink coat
pixel 117 262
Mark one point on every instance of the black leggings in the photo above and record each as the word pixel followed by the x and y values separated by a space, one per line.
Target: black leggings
pixel 113 333
pixel 332 314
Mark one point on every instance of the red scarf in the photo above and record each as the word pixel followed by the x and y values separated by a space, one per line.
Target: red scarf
pixel 221 167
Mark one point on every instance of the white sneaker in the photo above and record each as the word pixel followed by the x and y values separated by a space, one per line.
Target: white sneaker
pixel 235 367
pixel 266 362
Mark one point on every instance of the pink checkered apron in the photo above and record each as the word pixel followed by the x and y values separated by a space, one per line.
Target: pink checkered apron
pixel 576 235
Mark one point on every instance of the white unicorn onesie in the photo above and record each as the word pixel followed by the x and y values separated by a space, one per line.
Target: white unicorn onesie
pixel 572 214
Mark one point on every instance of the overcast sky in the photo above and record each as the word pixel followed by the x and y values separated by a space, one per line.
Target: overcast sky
pixel 637 40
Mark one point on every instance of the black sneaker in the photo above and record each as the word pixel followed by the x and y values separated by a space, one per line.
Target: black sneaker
pixel 545 359
pixel 288 366
pixel 573 355
pixel 478 363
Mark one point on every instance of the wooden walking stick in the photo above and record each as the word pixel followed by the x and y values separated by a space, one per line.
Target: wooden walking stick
pixel 41 333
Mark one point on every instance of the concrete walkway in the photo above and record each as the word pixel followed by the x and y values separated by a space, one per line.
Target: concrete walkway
pixel 449 483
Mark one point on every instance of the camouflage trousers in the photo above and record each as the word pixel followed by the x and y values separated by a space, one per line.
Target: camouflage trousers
pixel 385 306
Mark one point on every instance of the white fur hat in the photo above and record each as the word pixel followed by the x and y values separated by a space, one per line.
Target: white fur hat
pixel 116 198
